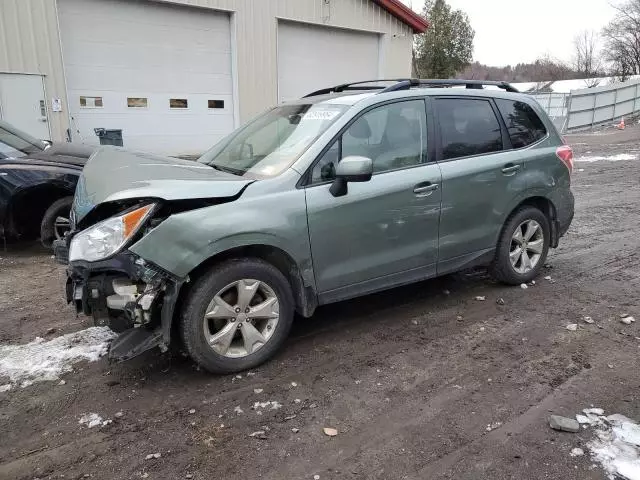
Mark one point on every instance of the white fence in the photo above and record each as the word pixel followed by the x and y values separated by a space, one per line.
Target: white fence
pixel 598 105
pixel 555 104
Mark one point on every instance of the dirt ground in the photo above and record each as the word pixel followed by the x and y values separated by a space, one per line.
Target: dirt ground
pixel 410 378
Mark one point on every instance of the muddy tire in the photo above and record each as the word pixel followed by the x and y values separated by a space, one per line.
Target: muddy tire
pixel 522 247
pixel 237 315
pixel 52 226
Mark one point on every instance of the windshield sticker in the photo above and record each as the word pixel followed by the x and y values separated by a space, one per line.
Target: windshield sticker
pixel 320 115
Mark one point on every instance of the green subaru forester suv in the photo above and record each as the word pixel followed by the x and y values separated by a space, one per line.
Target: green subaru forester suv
pixel 351 190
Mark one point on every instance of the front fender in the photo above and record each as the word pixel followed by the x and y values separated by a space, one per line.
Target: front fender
pixel 185 240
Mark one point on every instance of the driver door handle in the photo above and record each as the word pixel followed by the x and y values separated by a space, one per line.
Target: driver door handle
pixel 425 189
pixel 510 168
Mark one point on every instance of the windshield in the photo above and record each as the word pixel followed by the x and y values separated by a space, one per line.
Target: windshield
pixel 272 142
pixel 16 144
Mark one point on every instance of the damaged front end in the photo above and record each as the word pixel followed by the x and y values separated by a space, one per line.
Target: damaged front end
pixel 129 295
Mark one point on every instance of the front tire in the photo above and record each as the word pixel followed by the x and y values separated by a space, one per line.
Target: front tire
pixel 522 247
pixel 55 222
pixel 237 315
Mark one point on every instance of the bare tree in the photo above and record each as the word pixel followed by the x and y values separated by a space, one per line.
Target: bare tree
pixel 586 57
pixel 622 37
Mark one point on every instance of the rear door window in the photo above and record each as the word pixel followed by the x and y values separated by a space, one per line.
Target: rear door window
pixel 523 124
pixel 468 126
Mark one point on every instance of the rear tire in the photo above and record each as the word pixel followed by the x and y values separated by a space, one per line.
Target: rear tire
pixel 244 351
pixel 50 228
pixel 510 265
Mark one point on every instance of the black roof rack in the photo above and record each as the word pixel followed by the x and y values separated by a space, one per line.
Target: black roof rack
pixel 407 83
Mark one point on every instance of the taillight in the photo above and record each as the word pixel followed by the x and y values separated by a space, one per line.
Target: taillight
pixel 565 153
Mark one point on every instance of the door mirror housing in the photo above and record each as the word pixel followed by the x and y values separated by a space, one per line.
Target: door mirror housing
pixel 351 169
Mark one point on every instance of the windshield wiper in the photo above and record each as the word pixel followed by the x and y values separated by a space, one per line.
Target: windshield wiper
pixel 230 170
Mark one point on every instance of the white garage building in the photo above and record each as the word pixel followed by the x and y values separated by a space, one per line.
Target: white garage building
pixel 177 75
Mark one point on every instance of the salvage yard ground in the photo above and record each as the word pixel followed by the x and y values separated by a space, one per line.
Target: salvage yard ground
pixel 422 382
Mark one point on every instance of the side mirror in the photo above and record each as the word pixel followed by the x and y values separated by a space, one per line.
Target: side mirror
pixel 351 169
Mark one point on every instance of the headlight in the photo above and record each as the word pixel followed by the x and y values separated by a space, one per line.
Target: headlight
pixel 107 237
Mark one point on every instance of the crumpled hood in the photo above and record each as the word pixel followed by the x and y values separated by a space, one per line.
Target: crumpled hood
pixel 113 174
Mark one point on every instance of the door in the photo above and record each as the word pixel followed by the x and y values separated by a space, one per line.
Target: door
pixel 479 178
pixel 160 73
pixel 383 232
pixel 312 57
pixel 23 104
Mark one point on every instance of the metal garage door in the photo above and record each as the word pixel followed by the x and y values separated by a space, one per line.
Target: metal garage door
pixel 312 57
pixel 160 73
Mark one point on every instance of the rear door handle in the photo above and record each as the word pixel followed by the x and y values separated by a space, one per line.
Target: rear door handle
pixel 425 189
pixel 510 168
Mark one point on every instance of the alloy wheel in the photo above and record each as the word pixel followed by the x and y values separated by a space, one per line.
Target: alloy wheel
pixel 527 245
pixel 241 318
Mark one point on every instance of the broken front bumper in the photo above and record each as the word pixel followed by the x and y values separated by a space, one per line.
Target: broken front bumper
pixel 127 294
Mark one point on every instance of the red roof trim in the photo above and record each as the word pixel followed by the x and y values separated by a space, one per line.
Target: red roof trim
pixel 396 8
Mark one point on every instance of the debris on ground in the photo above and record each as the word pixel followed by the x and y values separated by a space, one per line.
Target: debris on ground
pixel 548 277
pixel 572 327
pixel 316 477
pixel 446 292
pixel 119 414
pixel 627 320
pixel 90 420
pixel 593 411
pixel 295 430
pixel 62 382
pixel 273 404
pixel 297 400
pixel 261 434
pixel 493 426
pixel 480 298
pixel 330 432
pixel 258 390
pixel 524 286
pixel 290 417
pixel 5 388
pixel 500 301
pixel 564 424
pixel 459 318
pixel 588 320
pixel 294 384
pixel 576 452
pixel 192 411
pixel 238 410
pixel 42 360
pixel 415 322
pixel 151 456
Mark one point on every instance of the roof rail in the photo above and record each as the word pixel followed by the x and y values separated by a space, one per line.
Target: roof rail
pixel 407 83
pixel 438 82
pixel 356 86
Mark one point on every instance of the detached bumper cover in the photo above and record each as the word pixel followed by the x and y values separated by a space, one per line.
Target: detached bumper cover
pixel 90 283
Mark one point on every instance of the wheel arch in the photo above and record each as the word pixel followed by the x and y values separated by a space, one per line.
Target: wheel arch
pixel 305 296
pixel 27 207
pixel 546 206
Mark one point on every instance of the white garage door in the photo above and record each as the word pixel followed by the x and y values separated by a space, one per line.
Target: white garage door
pixel 312 57
pixel 160 73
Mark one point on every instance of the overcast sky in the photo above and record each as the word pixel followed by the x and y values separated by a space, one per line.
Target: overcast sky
pixel 509 32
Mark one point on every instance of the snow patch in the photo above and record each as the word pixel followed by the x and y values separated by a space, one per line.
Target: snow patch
pixel 616 446
pixel 613 158
pixel 40 360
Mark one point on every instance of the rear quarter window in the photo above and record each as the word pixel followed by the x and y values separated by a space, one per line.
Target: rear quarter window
pixel 523 124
